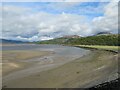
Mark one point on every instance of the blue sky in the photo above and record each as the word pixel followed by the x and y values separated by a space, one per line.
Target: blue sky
pixel 90 9
pixel 33 21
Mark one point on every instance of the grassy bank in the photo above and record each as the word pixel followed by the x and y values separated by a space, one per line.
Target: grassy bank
pixel 107 48
pixel 101 42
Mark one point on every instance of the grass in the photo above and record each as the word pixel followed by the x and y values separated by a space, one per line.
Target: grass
pixel 113 48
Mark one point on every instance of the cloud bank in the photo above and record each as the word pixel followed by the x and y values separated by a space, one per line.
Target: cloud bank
pixel 30 24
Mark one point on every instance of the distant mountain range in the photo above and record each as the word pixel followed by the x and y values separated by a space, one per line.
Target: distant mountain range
pixel 100 39
pixel 62 39
pixel 71 36
pixel 103 33
pixel 10 41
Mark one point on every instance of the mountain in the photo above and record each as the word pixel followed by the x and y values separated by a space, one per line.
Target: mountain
pixel 5 41
pixel 111 39
pixel 71 36
pixel 104 33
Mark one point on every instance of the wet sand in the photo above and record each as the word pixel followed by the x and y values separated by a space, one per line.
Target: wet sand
pixel 13 60
pixel 89 70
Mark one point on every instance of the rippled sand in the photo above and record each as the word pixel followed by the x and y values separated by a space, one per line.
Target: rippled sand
pixel 89 70
pixel 13 60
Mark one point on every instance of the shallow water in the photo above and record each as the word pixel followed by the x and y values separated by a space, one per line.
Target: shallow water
pixel 58 49
pixel 61 55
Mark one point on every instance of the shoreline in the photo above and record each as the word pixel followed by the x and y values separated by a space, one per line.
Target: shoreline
pixel 95 48
pixel 112 84
pixel 89 70
pixel 50 73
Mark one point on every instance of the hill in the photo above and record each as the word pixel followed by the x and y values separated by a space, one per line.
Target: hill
pixel 111 40
pixel 5 41
pixel 103 33
pixel 71 36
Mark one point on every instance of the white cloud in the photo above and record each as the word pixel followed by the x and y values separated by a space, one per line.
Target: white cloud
pixel 45 25
pixel 23 24
pixel 33 38
pixel 108 22
pixel 45 38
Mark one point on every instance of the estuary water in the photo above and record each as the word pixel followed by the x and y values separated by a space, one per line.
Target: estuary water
pixel 58 49
pixel 61 55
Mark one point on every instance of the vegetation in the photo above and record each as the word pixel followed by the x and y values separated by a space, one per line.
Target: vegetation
pixel 112 48
pixel 110 40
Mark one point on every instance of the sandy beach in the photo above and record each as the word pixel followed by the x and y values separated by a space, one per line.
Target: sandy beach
pixel 15 60
pixel 89 70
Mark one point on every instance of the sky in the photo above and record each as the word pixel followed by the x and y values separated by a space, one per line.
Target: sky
pixel 37 21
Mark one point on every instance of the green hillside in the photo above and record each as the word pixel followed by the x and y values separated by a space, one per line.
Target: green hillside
pixel 111 40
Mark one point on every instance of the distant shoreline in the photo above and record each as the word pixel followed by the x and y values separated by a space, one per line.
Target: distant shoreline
pixel 90 70
pixel 90 47
pixel 99 61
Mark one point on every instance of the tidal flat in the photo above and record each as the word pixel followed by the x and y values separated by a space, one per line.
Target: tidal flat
pixel 57 69
pixel 13 60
